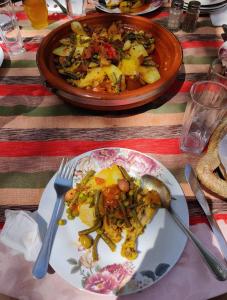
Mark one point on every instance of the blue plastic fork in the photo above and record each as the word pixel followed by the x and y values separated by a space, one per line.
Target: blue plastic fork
pixel 63 182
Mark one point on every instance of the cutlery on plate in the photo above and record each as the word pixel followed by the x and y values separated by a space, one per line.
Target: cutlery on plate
pixel 153 183
pixel 195 186
pixel 63 182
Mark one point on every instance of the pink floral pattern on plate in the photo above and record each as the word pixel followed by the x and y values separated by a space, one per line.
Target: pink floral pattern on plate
pixel 134 162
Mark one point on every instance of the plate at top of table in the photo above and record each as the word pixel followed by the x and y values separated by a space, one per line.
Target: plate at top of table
pixel 147 7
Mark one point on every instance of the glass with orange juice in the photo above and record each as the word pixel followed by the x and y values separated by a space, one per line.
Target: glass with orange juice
pixel 37 13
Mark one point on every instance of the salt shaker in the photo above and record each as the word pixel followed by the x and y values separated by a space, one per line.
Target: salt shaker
pixel 175 15
pixel 191 17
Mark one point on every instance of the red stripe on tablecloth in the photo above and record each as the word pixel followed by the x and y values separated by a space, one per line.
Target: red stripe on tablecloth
pixel 200 44
pixel 202 219
pixel 39 90
pixel 21 15
pixel 23 89
pixel 76 147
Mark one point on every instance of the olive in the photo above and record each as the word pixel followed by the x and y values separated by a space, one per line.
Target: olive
pixel 86 241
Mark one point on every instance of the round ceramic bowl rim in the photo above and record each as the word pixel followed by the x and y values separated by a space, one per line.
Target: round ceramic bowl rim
pixel 147 90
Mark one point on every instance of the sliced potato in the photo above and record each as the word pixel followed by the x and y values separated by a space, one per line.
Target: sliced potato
pixel 149 74
pixel 138 50
pixel 87 214
pixel 93 78
pixel 129 66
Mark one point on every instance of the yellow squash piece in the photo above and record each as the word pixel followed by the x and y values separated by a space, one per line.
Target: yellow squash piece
pixel 129 66
pixel 137 50
pixel 113 73
pixel 92 79
pixel 62 51
pixel 105 177
pixel 149 74
pixel 77 28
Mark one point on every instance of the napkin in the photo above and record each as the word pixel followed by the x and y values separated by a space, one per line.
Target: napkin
pixel 21 233
pixel 189 279
pixel 219 17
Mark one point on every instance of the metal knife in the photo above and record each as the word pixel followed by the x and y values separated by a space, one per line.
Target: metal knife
pixel 195 186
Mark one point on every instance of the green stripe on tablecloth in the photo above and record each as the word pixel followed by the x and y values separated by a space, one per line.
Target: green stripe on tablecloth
pixel 193 59
pixel 19 64
pixel 64 110
pixel 40 179
pixel 25 180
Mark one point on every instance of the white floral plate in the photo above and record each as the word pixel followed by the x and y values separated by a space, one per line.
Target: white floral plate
pixel 150 6
pixel 160 246
pixel 1 56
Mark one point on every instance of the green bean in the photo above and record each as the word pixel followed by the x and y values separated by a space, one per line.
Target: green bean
pixel 91 229
pixel 97 197
pixel 87 177
pixel 124 213
pixel 126 203
pixel 123 196
pixel 135 194
pixel 109 242
pixel 134 215
pixel 131 193
pixel 95 255
pixel 124 173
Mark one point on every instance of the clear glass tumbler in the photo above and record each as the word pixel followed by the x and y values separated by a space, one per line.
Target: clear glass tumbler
pixel 206 108
pixel 9 28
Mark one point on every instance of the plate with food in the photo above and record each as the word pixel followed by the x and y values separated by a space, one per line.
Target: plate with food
pixel 115 237
pixel 133 7
pixel 112 62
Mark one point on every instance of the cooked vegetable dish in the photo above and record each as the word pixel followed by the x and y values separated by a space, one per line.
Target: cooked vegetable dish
pixel 112 59
pixel 114 206
pixel 124 5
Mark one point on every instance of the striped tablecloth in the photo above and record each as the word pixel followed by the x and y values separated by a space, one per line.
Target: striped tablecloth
pixel 37 128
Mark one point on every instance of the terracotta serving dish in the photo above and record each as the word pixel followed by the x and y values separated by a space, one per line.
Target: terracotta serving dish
pixel 168 54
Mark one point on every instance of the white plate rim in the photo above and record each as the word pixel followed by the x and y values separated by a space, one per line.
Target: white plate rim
pixel 205 2
pixel 1 56
pixel 180 205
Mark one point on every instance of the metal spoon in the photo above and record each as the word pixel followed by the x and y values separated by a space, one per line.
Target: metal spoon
pixel 153 183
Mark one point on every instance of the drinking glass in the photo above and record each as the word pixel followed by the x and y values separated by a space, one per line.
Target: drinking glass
pixel 9 29
pixel 205 109
pixel 37 12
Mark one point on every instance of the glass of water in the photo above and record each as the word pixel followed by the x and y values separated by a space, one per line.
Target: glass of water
pixel 9 28
pixel 206 108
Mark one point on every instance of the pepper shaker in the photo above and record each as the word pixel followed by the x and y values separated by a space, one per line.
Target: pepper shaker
pixel 175 15
pixel 191 17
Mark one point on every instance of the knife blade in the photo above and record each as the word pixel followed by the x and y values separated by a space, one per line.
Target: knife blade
pixel 195 186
